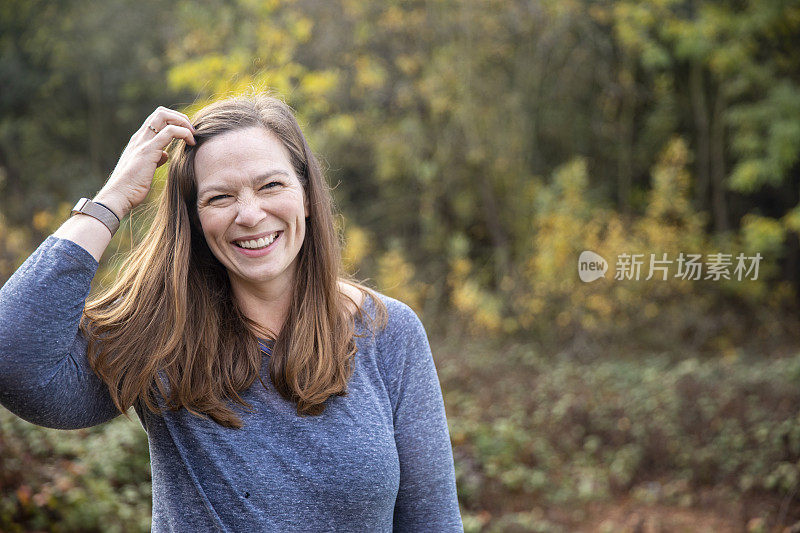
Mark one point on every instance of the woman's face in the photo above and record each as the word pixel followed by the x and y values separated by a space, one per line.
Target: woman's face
pixel 252 207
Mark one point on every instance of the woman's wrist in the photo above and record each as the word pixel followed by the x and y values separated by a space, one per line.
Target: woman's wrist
pixel 87 232
pixel 113 203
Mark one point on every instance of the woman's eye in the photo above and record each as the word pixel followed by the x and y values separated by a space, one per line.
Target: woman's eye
pixel 217 197
pixel 270 185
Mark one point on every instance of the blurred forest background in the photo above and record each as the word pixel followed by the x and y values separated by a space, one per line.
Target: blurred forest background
pixel 476 148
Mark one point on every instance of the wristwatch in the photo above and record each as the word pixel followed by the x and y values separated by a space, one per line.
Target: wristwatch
pixel 98 211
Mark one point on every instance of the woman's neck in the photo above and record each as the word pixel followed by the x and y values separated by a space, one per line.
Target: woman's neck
pixel 267 306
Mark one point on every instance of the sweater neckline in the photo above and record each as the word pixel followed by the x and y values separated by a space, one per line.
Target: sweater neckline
pixel 266 345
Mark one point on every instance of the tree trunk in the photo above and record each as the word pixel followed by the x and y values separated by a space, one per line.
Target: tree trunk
pixel 700 111
pixel 96 122
pixel 497 233
pixel 719 198
pixel 625 125
pixel 472 132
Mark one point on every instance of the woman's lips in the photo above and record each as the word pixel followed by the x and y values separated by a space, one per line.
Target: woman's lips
pixel 258 252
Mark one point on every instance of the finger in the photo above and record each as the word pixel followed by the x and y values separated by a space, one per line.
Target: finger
pixel 154 128
pixel 167 112
pixel 153 122
pixel 166 116
pixel 161 117
pixel 161 108
pixel 172 131
pixel 186 117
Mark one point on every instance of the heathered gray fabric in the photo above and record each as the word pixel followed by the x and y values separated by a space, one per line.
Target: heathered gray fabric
pixel 378 459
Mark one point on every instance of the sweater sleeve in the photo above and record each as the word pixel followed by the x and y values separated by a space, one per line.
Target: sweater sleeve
pixel 427 498
pixel 45 377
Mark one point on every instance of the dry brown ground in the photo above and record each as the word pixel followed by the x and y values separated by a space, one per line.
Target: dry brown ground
pixel 710 514
pixel 627 517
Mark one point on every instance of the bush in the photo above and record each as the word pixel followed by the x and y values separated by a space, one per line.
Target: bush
pixel 95 479
pixel 530 430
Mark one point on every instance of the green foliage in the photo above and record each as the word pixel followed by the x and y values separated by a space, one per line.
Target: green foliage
pixel 94 479
pixel 82 80
pixel 552 432
pixel 557 433
pixel 767 136
pixel 665 312
pixel 449 130
pixel 475 149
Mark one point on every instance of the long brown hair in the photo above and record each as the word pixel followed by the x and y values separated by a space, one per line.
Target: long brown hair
pixel 171 312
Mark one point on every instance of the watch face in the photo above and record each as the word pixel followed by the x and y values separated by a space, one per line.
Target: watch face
pixel 101 213
pixel 79 206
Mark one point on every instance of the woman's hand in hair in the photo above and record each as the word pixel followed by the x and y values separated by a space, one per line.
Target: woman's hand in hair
pixel 130 182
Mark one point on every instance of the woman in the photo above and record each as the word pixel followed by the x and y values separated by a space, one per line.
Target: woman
pixel 238 277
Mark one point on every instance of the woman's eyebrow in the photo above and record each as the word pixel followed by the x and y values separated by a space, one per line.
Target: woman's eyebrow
pixel 218 187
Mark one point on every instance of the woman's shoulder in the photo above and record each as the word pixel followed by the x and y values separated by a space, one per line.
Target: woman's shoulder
pixel 355 297
pixel 397 310
pixel 402 342
pixel 394 317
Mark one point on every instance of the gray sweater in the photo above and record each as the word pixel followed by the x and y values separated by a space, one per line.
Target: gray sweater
pixel 378 459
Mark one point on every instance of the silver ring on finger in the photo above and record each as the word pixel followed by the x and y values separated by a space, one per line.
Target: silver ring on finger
pixel 152 128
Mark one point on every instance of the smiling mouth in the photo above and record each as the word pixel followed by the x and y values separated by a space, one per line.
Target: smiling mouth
pixel 257 244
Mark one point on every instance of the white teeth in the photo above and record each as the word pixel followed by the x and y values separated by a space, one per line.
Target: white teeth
pixel 254 244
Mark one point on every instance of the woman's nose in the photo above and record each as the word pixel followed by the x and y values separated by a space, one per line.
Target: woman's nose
pixel 250 213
